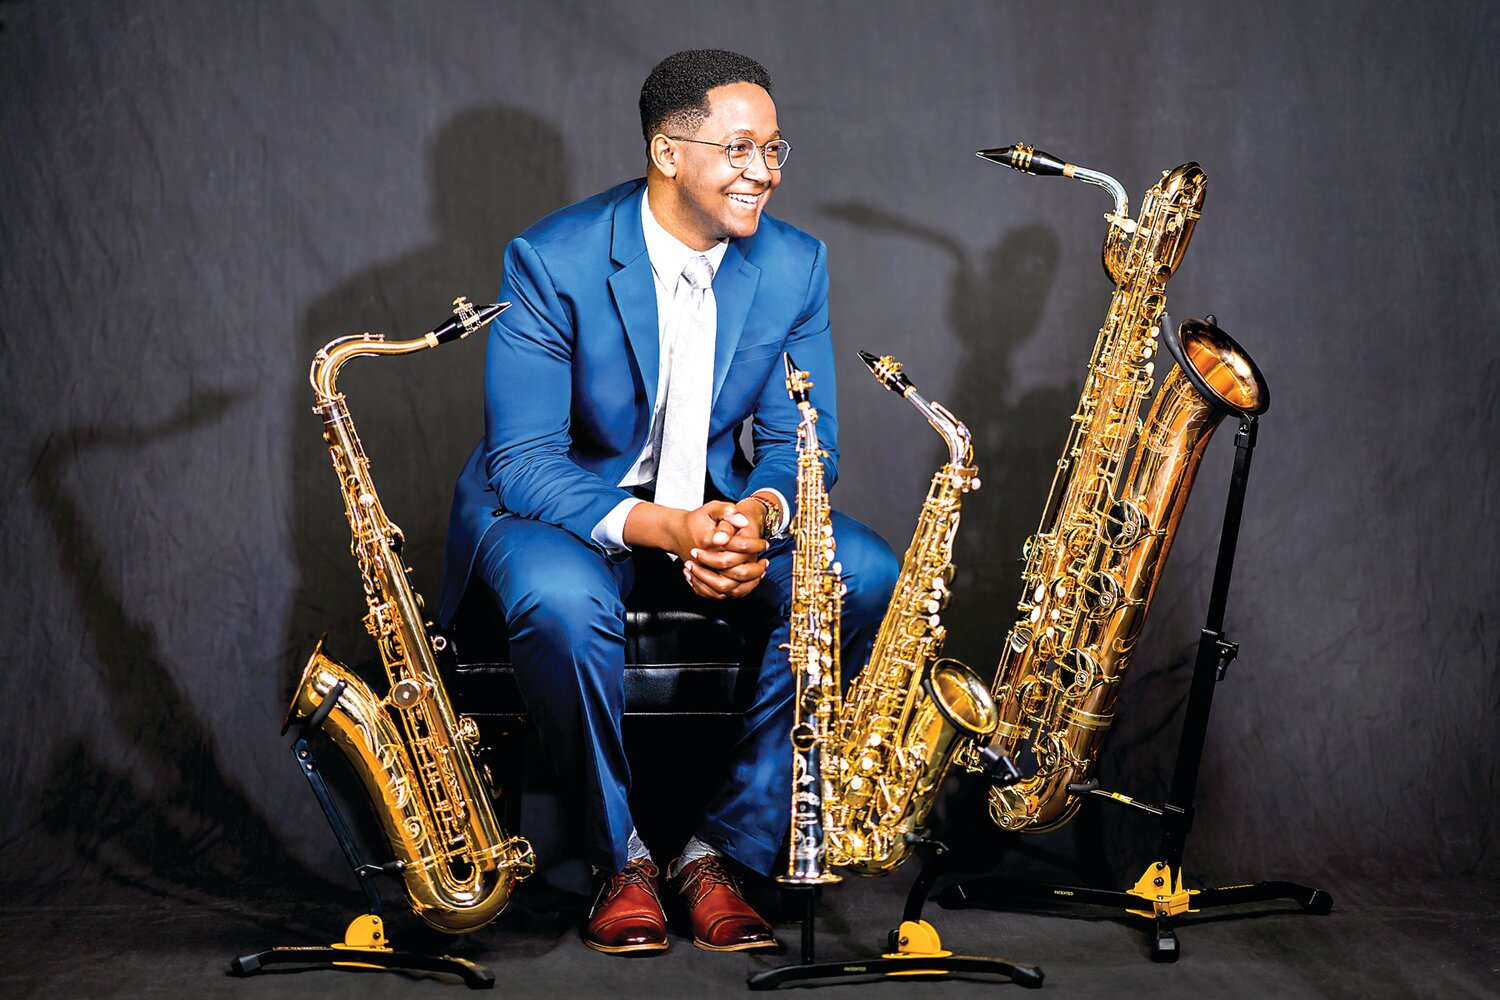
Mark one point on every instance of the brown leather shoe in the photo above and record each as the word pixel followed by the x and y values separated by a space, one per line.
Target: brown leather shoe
pixel 722 920
pixel 626 916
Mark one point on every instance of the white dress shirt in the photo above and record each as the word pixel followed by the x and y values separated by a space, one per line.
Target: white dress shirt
pixel 669 256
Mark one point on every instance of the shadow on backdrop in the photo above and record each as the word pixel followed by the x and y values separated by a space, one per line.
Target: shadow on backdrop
pixel 172 819
pixel 493 172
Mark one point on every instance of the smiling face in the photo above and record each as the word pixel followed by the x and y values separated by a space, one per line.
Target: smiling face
pixel 695 194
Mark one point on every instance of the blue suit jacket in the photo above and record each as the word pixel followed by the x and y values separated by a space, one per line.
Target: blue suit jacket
pixel 571 370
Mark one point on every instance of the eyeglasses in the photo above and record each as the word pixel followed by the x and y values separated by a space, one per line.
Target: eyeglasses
pixel 741 152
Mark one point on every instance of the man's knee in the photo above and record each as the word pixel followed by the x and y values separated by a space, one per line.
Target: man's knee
pixel 551 586
pixel 556 610
pixel 870 569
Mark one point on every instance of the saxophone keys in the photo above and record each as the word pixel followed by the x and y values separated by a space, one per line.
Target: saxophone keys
pixel 409 693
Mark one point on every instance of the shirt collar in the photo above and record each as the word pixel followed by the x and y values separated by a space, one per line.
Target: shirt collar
pixel 668 254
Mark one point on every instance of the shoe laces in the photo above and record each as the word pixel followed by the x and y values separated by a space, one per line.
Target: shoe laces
pixel 640 872
pixel 707 873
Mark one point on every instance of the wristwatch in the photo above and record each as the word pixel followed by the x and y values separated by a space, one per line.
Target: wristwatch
pixel 770 521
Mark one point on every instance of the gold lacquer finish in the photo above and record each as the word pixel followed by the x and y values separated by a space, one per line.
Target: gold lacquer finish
pixel 812 650
pixel 412 752
pixel 1097 555
pixel 904 714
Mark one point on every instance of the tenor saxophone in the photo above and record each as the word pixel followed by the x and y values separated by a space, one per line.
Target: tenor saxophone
pixel 1096 557
pixel 414 755
pixel 905 713
pixel 812 651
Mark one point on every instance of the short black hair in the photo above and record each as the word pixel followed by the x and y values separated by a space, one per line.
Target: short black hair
pixel 675 93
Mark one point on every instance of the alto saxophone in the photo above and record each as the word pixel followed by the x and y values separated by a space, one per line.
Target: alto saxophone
pixel 812 650
pixel 412 752
pixel 1098 552
pixel 905 713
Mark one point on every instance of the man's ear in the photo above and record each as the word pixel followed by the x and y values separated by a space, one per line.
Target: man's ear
pixel 663 155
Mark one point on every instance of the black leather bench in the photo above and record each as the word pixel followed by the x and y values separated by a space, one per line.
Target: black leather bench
pixel 678 664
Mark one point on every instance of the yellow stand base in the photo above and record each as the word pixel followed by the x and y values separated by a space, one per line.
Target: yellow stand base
pixel 1163 892
pixel 366 933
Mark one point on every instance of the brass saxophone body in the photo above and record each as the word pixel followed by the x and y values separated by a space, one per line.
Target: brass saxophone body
pixel 905 713
pixel 1094 562
pixel 812 651
pixel 412 752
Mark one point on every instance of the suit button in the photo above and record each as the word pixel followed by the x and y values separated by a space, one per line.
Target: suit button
pixel 496 512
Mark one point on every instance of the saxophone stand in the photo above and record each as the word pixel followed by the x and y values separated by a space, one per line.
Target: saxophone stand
pixel 915 950
pixel 1158 894
pixel 365 945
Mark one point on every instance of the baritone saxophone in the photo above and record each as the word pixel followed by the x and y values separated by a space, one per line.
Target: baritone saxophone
pixel 413 753
pixel 1117 496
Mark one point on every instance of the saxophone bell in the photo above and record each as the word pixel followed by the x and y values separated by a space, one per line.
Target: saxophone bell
pixel 1218 367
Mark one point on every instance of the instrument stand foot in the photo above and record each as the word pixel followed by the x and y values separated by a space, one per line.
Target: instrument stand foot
pixel 365 947
pixel 916 952
pixel 1160 904
pixel 365 944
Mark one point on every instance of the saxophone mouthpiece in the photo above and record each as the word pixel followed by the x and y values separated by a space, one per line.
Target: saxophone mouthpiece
pixel 797 381
pixel 464 321
pixel 888 371
pixel 1028 160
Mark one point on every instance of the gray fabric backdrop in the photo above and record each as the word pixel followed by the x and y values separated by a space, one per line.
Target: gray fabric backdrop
pixel 193 197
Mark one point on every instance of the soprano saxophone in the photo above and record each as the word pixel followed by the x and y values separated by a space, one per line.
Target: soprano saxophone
pixel 812 650
pixel 1098 552
pixel 904 715
pixel 412 752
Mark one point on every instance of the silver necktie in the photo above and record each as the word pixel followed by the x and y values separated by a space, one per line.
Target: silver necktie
pixel 684 437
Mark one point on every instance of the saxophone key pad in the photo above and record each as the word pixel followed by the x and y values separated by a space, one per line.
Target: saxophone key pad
pixel 408 693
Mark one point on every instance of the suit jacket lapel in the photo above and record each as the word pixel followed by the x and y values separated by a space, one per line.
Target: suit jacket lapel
pixel 634 291
pixel 734 290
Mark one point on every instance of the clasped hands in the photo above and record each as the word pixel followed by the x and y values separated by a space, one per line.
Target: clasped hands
pixel 722 554
pixel 719 543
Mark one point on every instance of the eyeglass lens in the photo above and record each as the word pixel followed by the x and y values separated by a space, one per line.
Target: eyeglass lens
pixel 742 151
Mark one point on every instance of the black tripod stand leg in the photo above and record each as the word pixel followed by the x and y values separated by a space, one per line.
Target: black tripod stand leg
pixel 933 868
pixel 1001 893
pixel 1163 941
pixel 809 916
pixel 1314 901
pixel 475 977
pixel 863 970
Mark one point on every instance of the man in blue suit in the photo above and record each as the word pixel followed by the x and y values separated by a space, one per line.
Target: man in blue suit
pixel 647 325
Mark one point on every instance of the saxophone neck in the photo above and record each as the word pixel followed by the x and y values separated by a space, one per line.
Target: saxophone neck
pixel 889 373
pixel 336 353
pixel 1027 159
pixel 954 433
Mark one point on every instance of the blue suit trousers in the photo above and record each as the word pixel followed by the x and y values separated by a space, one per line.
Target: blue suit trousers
pixel 563 602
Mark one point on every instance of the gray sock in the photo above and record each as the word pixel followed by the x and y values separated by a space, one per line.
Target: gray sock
pixel 635 849
pixel 692 851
